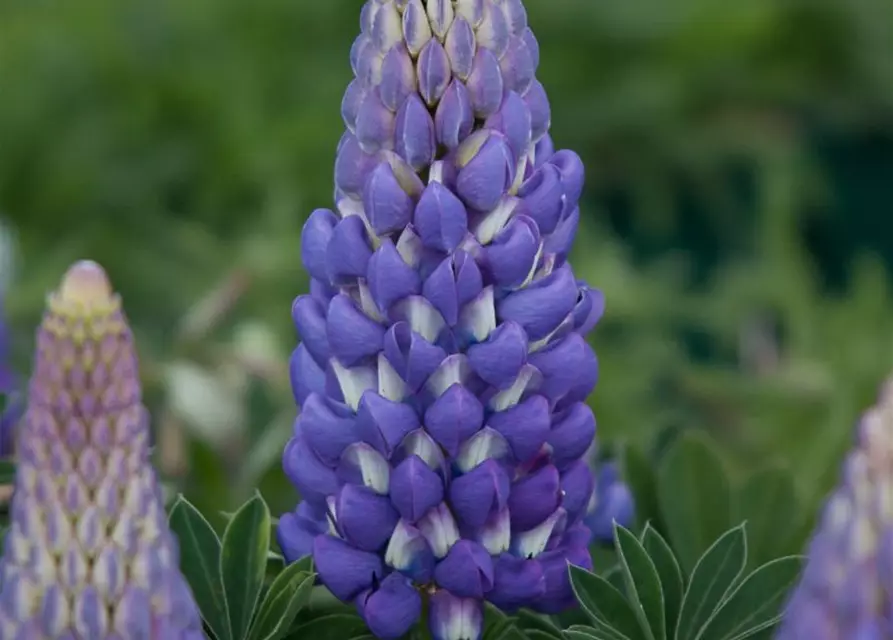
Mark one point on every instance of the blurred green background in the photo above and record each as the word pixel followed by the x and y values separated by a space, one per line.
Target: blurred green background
pixel 738 208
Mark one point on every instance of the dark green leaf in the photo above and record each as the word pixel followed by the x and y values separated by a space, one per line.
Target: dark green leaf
pixel 288 594
pixel 694 495
pixel 768 502
pixel 200 563
pixel 499 626
pixel 529 621
pixel 714 576
pixel 638 473
pixel 338 626
pixel 580 632
pixel 756 603
pixel 7 471
pixel 604 604
pixel 243 561
pixel 670 575
pixel 642 584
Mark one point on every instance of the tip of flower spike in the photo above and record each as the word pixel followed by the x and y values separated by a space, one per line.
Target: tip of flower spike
pixel 85 283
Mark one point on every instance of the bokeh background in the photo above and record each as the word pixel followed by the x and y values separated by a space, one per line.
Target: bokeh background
pixel 738 214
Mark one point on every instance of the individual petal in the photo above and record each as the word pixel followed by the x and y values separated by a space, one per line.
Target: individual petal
pixel 416 28
pixel 415 489
pixel 439 529
pixel 348 252
pixel 544 148
pixel 486 444
pixel 327 427
pixel 433 68
pixel 525 426
pixel 352 335
pixel 517 582
pixel 315 237
pixel 496 534
pixel 573 431
pixel 452 618
pixel 460 47
pixel 577 484
pixel 421 316
pixel 480 493
pixel 419 443
pixel 409 553
pixel 365 518
pixel 494 221
pixel 570 166
pixel 468 278
pixel 516 16
pixel 589 309
pixel 454 417
pixel 499 358
pixel 493 32
pixel 386 27
pixel 310 320
pixel 466 571
pixel 344 569
pixel 361 464
pixel 413 358
pixel 313 479
pixel 484 84
pixel 513 121
pixel 471 10
pixel 569 365
pixel 534 542
pixel 561 240
pixel 440 289
pixel 517 66
pixel 454 117
pixel 384 423
pixel 398 79
pixel 541 306
pixel 559 595
pixel 388 207
pixel 348 384
pixel 440 218
pixel 390 278
pixel 306 376
pixel 374 123
pixel 512 256
pixel 440 15
pixel 542 195
pixel 534 497
pixel 415 133
pixel 486 170
pixel 352 166
pixel 350 104
pixel 477 320
pixel 296 531
pixel 540 117
pixel 406 177
pixel 391 609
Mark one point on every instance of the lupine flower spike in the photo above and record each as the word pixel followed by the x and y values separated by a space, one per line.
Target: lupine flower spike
pixel 89 553
pixel 443 366
pixel 10 405
pixel 846 590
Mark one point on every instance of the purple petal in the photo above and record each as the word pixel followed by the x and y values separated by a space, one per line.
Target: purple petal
pixel 577 484
pixel 413 357
pixel 460 47
pixel 573 432
pixel 532 46
pixel 516 16
pixel 613 502
pixel 513 254
pixel 361 464
pixel 542 195
pixel 466 571
pixel 390 278
pixel 350 104
pixel 454 117
pixel 541 306
pixel 415 134
pixel 392 609
pixel 454 417
pixel 440 290
pixel 388 207
pixel 315 237
pixel 348 252
pixel 486 171
pixel 306 376
pixel 434 71
pixel 374 123
pixel 513 121
pixel 344 569
pixel 440 15
pixel 479 493
pixel 415 489
pixel 352 166
pixel 567 366
pixel 517 66
pixel 386 27
pixel 469 282
pixel 327 427
pixel 452 618
pixel 540 116
pixel 589 310
pixel 295 533
pixel 309 317
pixel 562 239
pixel 517 582
pixel 499 359
pixel 493 32
pixel 544 149
pixel 365 518
pixel 352 334
pixel 416 28
pixel 384 423
pixel 398 79
pixel 534 498
pixel 313 479
pixel 485 83
pixel 410 553
pixel 559 596
pixel 524 426
pixel 440 218
pixel 570 166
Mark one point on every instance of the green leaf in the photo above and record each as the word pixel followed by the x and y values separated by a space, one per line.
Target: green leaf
pixel 694 495
pixel 200 563
pixel 580 632
pixel 768 502
pixel 7 471
pixel 604 604
pixel 243 561
pixel 642 583
pixel 529 621
pixel 714 575
pixel 288 594
pixel 638 473
pixel 499 626
pixel 670 574
pixel 338 626
pixel 756 603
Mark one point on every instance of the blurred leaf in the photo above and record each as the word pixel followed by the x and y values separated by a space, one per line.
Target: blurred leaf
pixel 497 625
pixel 667 567
pixel 694 494
pixel 200 556
pixel 339 626
pixel 714 576
pixel 288 593
pixel 243 561
pixel 642 584
pixel 527 621
pixel 639 474
pixel 767 500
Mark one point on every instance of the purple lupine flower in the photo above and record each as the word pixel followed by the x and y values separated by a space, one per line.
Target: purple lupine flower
pixel 443 367
pixel 89 553
pixel 612 501
pixel 846 590
pixel 10 404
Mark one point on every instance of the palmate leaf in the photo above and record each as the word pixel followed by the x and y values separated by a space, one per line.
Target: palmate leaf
pixel 768 501
pixel 672 585
pixel 288 594
pixel 643 584
pixel 607 607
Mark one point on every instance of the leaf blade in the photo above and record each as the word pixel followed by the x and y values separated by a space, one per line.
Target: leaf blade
pixel 642 583
pixel 604 604
pixel 670 574
pixel 287 595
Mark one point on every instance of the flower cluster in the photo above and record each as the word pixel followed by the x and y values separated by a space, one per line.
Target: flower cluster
pixel 89 553
pixel 441 448
pixel 846 591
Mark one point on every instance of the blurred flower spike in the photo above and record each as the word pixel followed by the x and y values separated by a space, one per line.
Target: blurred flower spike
pixel 89 553
pixel 10 402
pixel 846 590
pixel 443 368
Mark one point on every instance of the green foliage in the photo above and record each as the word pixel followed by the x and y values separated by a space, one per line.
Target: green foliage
pixel 717 602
